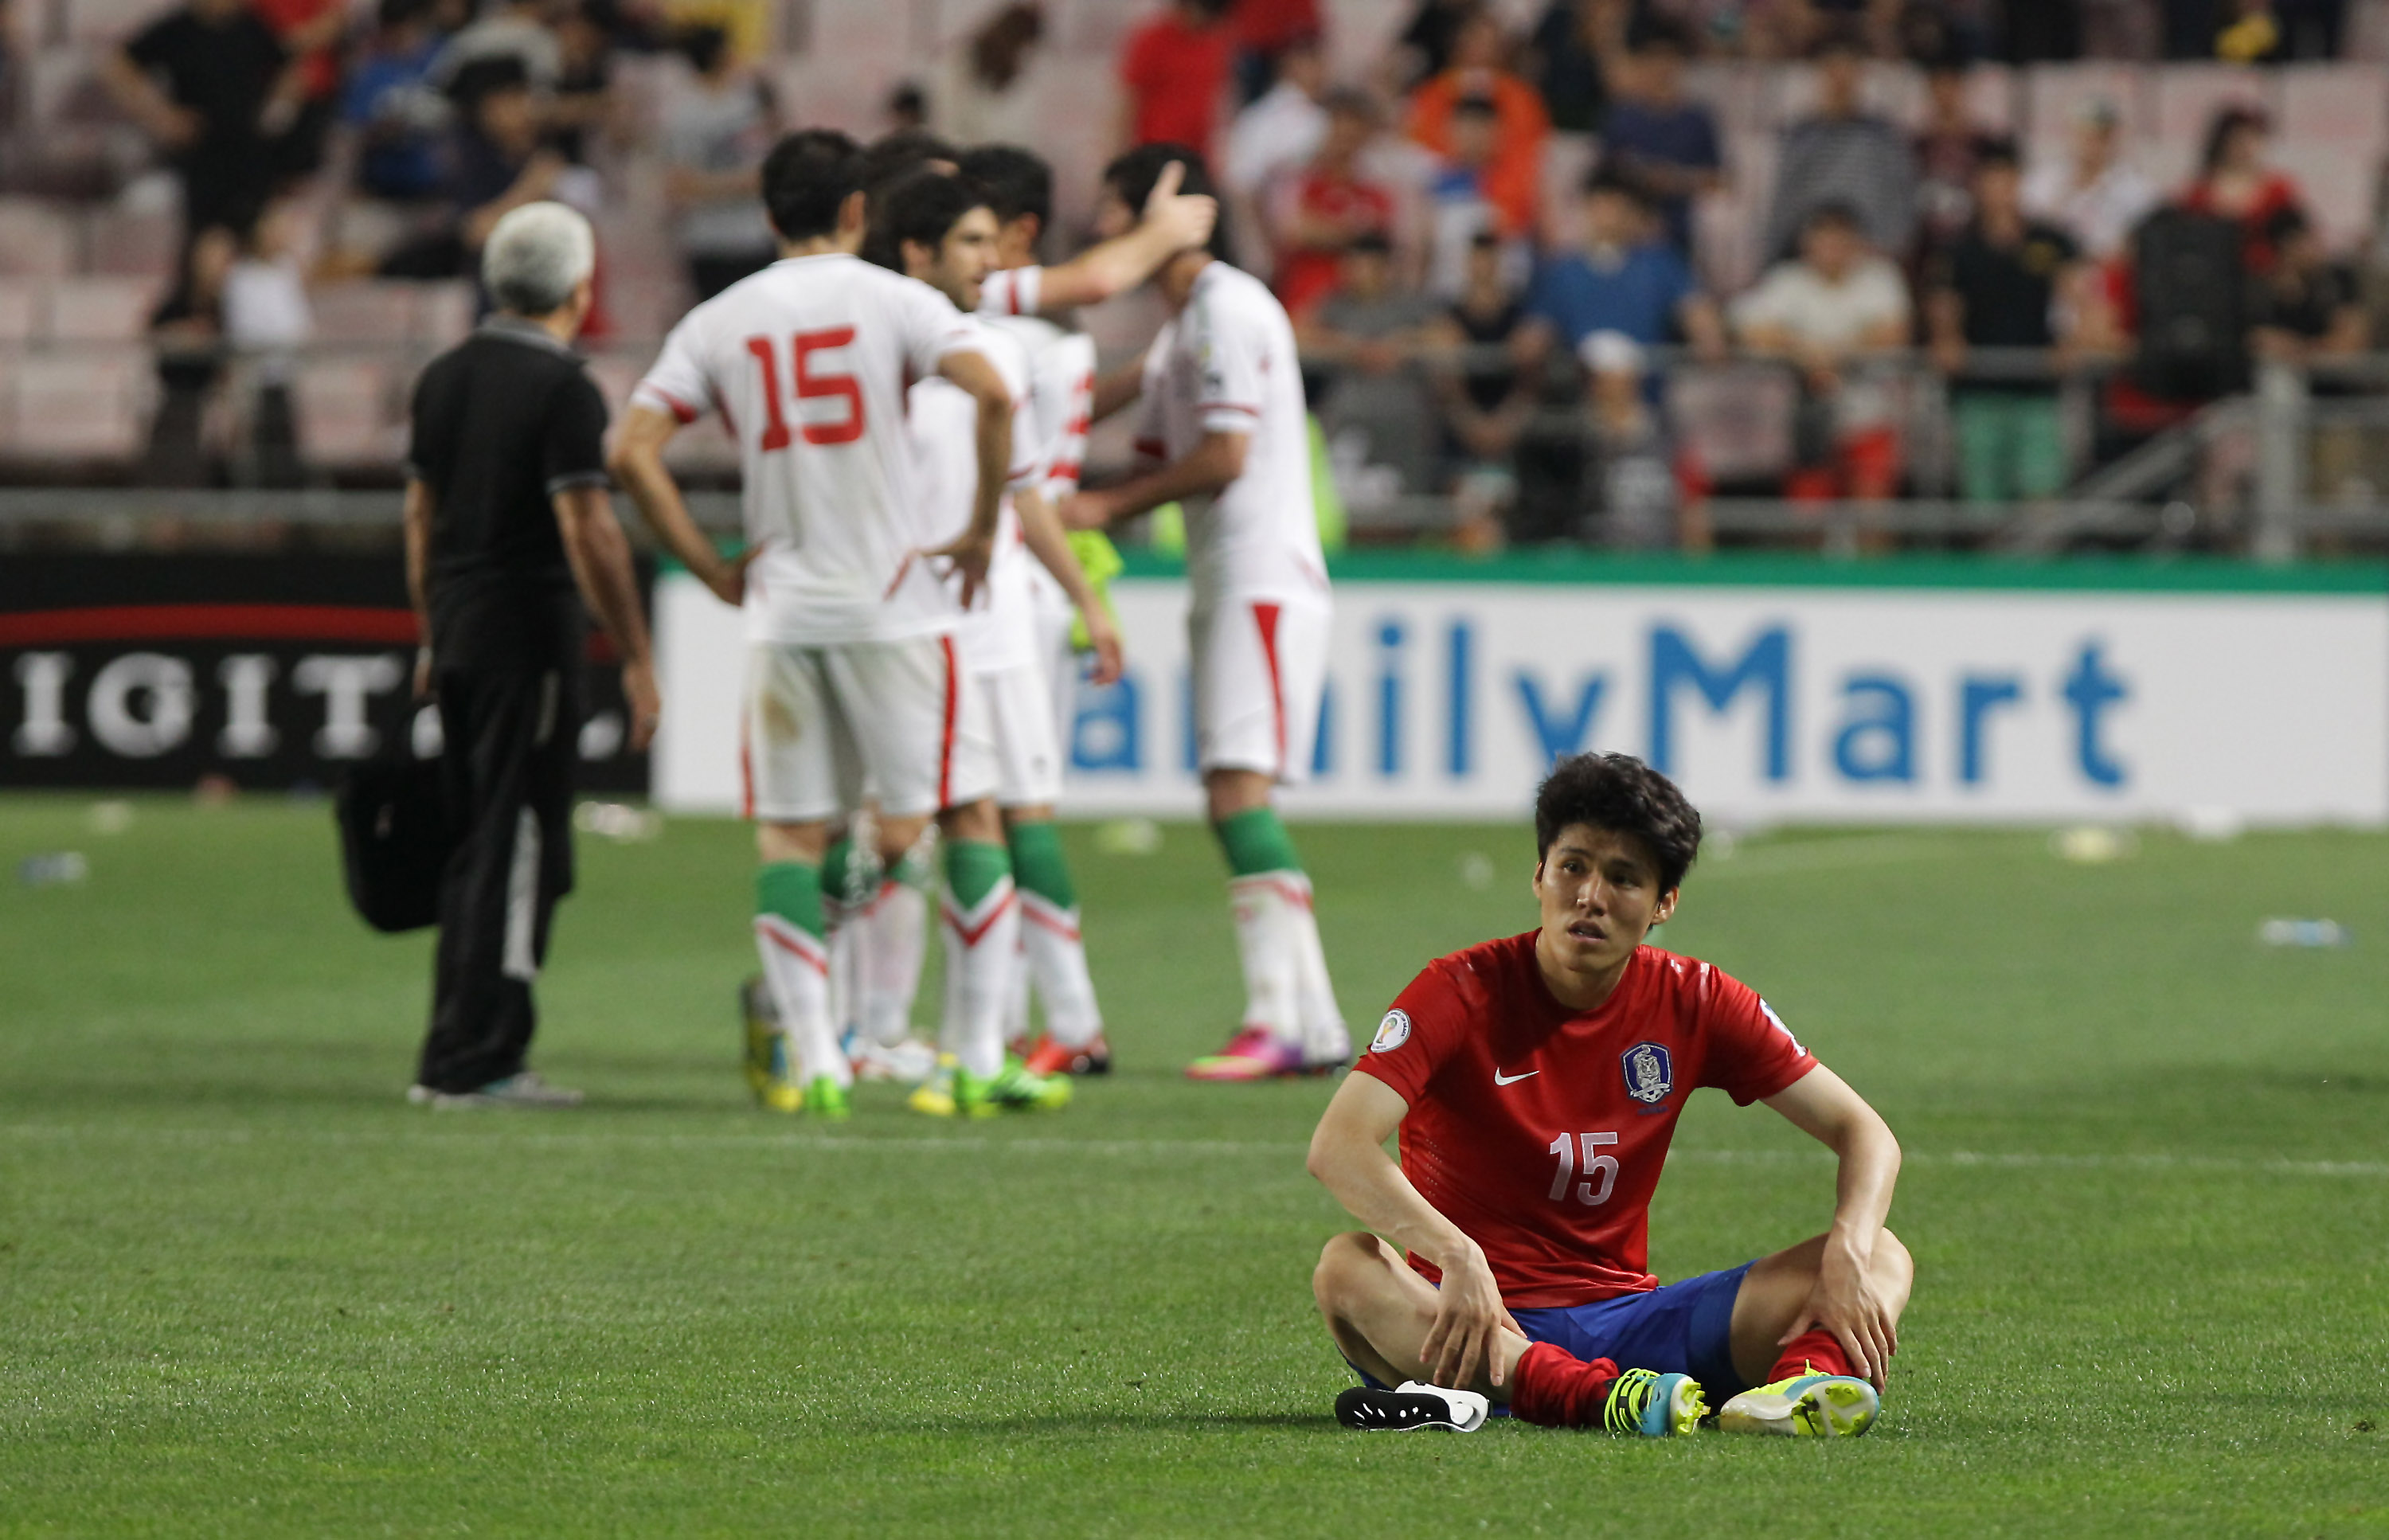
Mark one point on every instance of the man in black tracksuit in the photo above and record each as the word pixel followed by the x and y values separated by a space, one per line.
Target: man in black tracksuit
pixel 510 528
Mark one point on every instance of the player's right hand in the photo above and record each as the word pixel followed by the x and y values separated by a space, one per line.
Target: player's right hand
pixel 1103 640
pixel 1188 217
pixel 966 558
pixel 646 706
pixel 727 580
pixel 1469 1320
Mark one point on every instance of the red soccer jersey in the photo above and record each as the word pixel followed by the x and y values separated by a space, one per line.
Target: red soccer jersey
pixel 1540 1130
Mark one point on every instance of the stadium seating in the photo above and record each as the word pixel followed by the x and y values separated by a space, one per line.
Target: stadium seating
pixel 21 312
pixel 133 242
pixel 36 240
pixel 348 413
pixel 107 21
pixel 100 308
pixel 91 404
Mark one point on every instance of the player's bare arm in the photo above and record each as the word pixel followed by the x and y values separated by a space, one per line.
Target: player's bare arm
pixel 971 551
pixel 1042 532
pixel 1211 464
pixel 1172 223
pixel 420 508
pixel 1851 1295
pixel 636 460
pixel 1119 388
pixel 1464 1336
pixel 600 557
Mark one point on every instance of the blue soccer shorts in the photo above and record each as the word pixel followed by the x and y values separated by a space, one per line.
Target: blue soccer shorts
pixel 1683 1327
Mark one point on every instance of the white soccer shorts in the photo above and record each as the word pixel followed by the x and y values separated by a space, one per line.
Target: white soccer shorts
pixel 1027 759
pixel 1260 667
pixel 1061 666
pixel 901 718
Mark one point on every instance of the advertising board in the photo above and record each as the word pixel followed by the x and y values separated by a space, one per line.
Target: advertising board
pixel 151 670
pixel 1773 691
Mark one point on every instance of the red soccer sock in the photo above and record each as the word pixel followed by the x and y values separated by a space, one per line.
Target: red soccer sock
pixel 1554 1388
pixel 1813 1352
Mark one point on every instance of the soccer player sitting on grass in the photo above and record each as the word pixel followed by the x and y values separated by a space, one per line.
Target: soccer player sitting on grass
pixel 1535 1082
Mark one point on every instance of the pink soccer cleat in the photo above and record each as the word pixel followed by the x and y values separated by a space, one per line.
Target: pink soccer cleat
pixel 1254 1053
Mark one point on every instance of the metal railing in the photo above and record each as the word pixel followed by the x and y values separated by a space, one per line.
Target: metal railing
pixel 2235 474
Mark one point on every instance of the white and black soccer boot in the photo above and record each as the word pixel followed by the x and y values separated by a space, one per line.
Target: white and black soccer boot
pixel 1413 1407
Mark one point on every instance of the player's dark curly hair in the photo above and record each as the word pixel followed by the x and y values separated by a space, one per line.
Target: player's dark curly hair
pixel 1017 182
pixel 1132 176
pixel 923 206
pixel 1623 796
pixel 807 178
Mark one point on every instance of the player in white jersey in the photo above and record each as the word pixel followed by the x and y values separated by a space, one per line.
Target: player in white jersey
pixel 1223 412
pixel 1020 187
pixel 853 668
pixel 880 917
pixel 943 230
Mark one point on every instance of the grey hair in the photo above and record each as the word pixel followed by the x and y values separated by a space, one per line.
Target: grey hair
pixel 535 256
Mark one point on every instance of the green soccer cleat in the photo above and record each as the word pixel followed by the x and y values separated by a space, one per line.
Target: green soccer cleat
pixel 825 1097
pixel 951 1091
pixel 756 1010
pixel 775 1084
pixel 1017 1089
pixel 1806 1405
pixel 1655 1405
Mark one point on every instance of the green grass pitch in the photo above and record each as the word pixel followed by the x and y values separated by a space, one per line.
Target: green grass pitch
pixel 244 1289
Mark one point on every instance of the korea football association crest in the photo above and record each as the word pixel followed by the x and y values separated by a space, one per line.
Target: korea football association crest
pixel 1392 1033
pixel 1649 1076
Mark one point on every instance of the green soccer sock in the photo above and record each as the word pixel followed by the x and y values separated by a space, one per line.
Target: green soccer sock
pixel 1256 841
pixel 792 890
pixel 908 869
pixel 847 877
pixel 1038 866
pixel 973 870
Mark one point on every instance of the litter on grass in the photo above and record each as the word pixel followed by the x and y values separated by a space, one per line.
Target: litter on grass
pixel 53 869
pixel 2283 932
pixel 2094 845
pixel 1129 836
pixel 1476 871
pixel 111 818
pixel 618 821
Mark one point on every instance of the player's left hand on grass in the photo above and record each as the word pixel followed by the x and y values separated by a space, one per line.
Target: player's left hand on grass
pixel 645 704
pixel 1845 1303
pixel 1469 1320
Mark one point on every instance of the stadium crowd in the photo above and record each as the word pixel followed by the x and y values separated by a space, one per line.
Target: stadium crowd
pixel 1558 276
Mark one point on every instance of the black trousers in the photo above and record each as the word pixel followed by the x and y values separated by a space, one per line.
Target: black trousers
pixel 510 735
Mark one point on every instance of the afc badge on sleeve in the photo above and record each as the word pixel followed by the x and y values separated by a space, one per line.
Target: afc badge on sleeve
pixel 1392 1033
pixel 1649 1075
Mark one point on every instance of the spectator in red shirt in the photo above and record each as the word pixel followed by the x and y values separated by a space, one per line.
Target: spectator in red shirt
pixel 1175 74
pixel 2235 181
pixel 1265 29
pixel 1329 205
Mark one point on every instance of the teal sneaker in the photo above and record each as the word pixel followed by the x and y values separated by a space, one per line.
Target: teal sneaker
pixel 1655 1405
pixel 1806 1405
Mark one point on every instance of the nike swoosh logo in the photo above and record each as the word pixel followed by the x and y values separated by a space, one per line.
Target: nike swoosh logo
pixel 1501 1079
